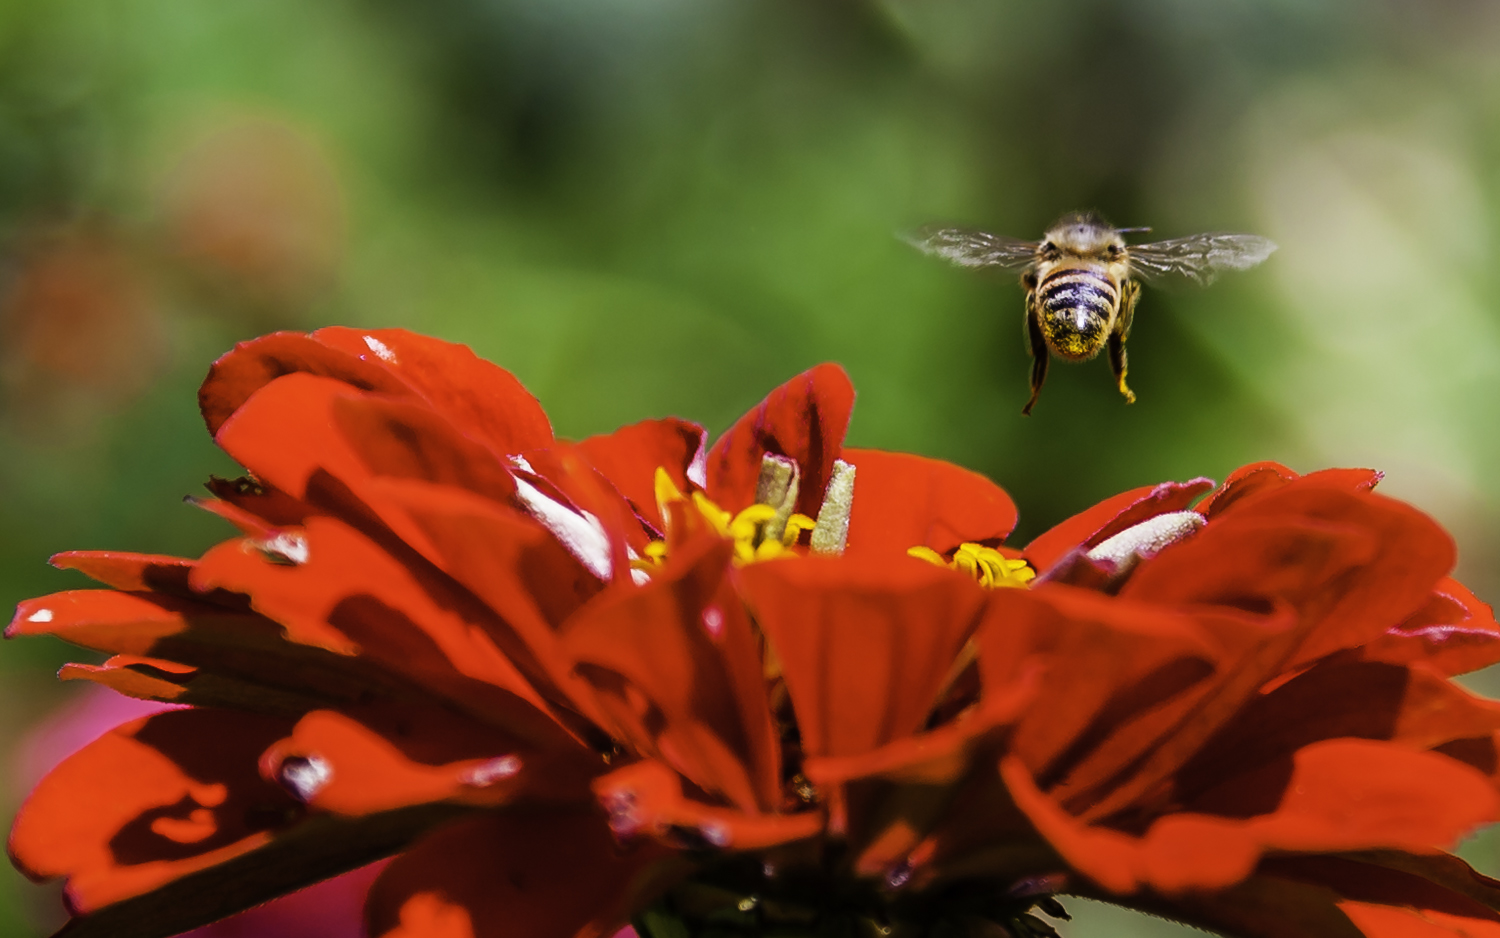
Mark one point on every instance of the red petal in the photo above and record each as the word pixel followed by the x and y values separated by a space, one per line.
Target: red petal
pixel 563 474
pixel 804 419
pixel 1352 565
pixel 1264 477
pixel 1454 632
pixel 1337 699
pixel 135 676
pixel 1110 517
pixel 129 571
pixel 482 399
pixel 254 364
pixel 630 456
pixel 134 623
pixel 1339 795
pixel 149 802
pixel 538 874
pixel 242 658
pixel 865 645
pixel 684 644
pixel 393 757
pixel 486 402
pixel 1338 568
pixel 519 570
pixel 303 425
pixel 352 597
pixel 1113 665
pixel 904 501
pixel 896 794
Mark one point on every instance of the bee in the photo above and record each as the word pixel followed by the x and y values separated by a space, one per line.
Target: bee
pixel 1082 280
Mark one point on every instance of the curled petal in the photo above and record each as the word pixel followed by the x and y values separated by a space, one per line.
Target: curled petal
pixel 1264 477
pixel 1454 632
pixel 301 427
pixel 176 683
pixel 1111 516
pixel 447 378
pixel 630 456
pixel 484 399
pixel 1353 565
pixel 252 365
pixel 804 420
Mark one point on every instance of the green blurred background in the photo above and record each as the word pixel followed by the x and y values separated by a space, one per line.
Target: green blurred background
pixel 650 207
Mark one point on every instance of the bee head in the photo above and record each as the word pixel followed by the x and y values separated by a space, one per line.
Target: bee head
pixel 1085 234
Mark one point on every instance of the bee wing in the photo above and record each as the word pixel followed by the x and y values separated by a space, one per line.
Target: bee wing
pixel 968 248
pixel 1200 257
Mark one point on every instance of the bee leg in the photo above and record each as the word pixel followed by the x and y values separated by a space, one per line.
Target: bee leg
pixel 1039 353
pixel 1130 291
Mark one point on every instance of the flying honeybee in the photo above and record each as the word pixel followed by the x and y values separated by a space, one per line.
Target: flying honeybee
pixel 1082 280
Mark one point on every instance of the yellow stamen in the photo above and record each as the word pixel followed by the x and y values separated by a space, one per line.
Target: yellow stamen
pixel 750 529
pixel 713 514
pixel 990 568
pixel 795 525
pixel 666 491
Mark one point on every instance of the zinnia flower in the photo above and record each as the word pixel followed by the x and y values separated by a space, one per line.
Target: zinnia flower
pixel 773 685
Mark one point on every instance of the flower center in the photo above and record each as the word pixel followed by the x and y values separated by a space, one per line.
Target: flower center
pixel 771 527
pixel 990 568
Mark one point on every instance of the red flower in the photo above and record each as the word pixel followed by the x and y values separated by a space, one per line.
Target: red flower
pixel 775 683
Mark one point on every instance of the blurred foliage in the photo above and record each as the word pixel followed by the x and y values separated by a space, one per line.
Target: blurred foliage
pixel 646 207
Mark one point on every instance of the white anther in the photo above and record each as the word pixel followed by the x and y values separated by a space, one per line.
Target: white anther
pixel 778 486
pixel 831 532
pixel 381 350
pixel 494 770
pixel 41 615
pixel 305 776
pixel 284 547
pixel 1146 539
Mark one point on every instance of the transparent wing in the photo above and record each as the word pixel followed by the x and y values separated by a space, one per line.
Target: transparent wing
pixel 968 248
pixel 1200 257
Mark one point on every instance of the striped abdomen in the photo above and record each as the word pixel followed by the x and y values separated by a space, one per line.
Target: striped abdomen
pixel 1076 309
